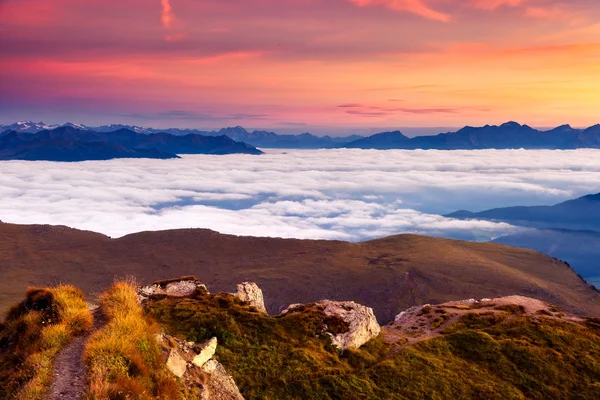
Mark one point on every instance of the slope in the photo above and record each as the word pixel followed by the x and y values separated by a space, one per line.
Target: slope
pixel 388 274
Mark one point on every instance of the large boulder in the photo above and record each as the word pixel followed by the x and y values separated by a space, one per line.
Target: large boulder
pixel 360 320
pixel 251 293
pixel 180 287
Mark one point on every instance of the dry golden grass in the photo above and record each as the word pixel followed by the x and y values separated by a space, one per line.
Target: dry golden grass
pixel 37 329
pixel 124 358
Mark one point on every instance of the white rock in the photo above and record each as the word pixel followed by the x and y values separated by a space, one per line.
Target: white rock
pixel 176 364
pixel 251 293
pixel 362 324
pixel 207 351
pixel 178 288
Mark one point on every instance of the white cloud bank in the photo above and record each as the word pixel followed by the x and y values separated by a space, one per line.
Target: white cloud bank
pixel 325 194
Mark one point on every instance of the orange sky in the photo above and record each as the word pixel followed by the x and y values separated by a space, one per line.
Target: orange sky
pixel 301 65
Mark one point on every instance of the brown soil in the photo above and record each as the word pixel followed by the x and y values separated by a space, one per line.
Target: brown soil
pixel 389 275
pixel 70 371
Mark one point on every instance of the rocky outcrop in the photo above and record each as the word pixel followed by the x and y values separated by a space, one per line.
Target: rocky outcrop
pixel 251 293
pixel 220 385
pixel 362 325
pixel 193 363
pixel 176 287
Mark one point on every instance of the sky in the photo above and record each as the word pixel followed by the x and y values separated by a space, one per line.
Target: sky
pixel 324 66
pixel 318 194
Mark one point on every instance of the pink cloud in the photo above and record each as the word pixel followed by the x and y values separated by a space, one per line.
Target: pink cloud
pixel 418 7
pixel 167 13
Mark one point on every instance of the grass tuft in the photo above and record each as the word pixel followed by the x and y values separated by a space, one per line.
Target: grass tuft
pixel 124 358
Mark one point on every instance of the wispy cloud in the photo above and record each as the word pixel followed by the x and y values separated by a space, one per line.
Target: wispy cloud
pixel 167 15
pixel 419 7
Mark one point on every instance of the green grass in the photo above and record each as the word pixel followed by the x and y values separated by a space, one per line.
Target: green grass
pixel 34 332
pixel 491 356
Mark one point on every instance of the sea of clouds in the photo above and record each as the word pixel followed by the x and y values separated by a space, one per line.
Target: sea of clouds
pixel 324 194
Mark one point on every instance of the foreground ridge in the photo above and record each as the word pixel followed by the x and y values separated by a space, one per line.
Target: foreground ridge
pixel 175 340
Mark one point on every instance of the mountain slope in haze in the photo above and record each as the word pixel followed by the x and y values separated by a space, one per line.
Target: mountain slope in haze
pixel 267 139
pixel 582 213
pixel 390 274
pixel 510 135
pixel 14 147
pixel 72 144
pixel 568 230
pixel 581 249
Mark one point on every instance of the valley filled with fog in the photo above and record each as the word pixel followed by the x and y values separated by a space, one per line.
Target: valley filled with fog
pixel 319 194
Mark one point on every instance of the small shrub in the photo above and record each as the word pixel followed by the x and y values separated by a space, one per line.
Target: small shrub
pixel 438 321
pixel 511 308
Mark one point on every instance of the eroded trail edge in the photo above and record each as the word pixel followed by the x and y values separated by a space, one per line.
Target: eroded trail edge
pixel 70 371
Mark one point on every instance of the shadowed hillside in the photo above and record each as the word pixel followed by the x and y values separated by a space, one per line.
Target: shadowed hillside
pixel 388 274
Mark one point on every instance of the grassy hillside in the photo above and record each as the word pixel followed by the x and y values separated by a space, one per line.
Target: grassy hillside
pixel 35 330
pixel 388 275
pixel 508 348
pixel 501 355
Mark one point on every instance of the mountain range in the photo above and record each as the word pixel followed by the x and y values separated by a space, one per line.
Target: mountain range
pixel 256 138
pixel 510 135
pixel 68 143
pixel 568 230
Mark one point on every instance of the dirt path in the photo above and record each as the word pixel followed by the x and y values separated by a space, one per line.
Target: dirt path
pixel 69 369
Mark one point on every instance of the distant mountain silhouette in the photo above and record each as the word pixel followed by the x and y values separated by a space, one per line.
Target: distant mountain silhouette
pixel 510 135
pixel 579 214
pixel 256 138
pixel 27 127
pixel 267 139
pixel 383 140
pixel 71 144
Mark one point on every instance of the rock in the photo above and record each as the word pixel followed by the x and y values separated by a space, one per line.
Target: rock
pixel 362 324
pixel 219 384
pixel 176 364
pixel 182 287
pixel 205 352
pixel 251 293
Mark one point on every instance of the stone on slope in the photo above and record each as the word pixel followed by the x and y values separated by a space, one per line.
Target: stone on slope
pixel 362 324
pixel 205 352
pixel 219 384
pixel 251 293
pixel 176 288
pixel 176 364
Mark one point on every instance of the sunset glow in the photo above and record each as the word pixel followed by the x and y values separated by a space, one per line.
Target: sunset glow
pixel 301 65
